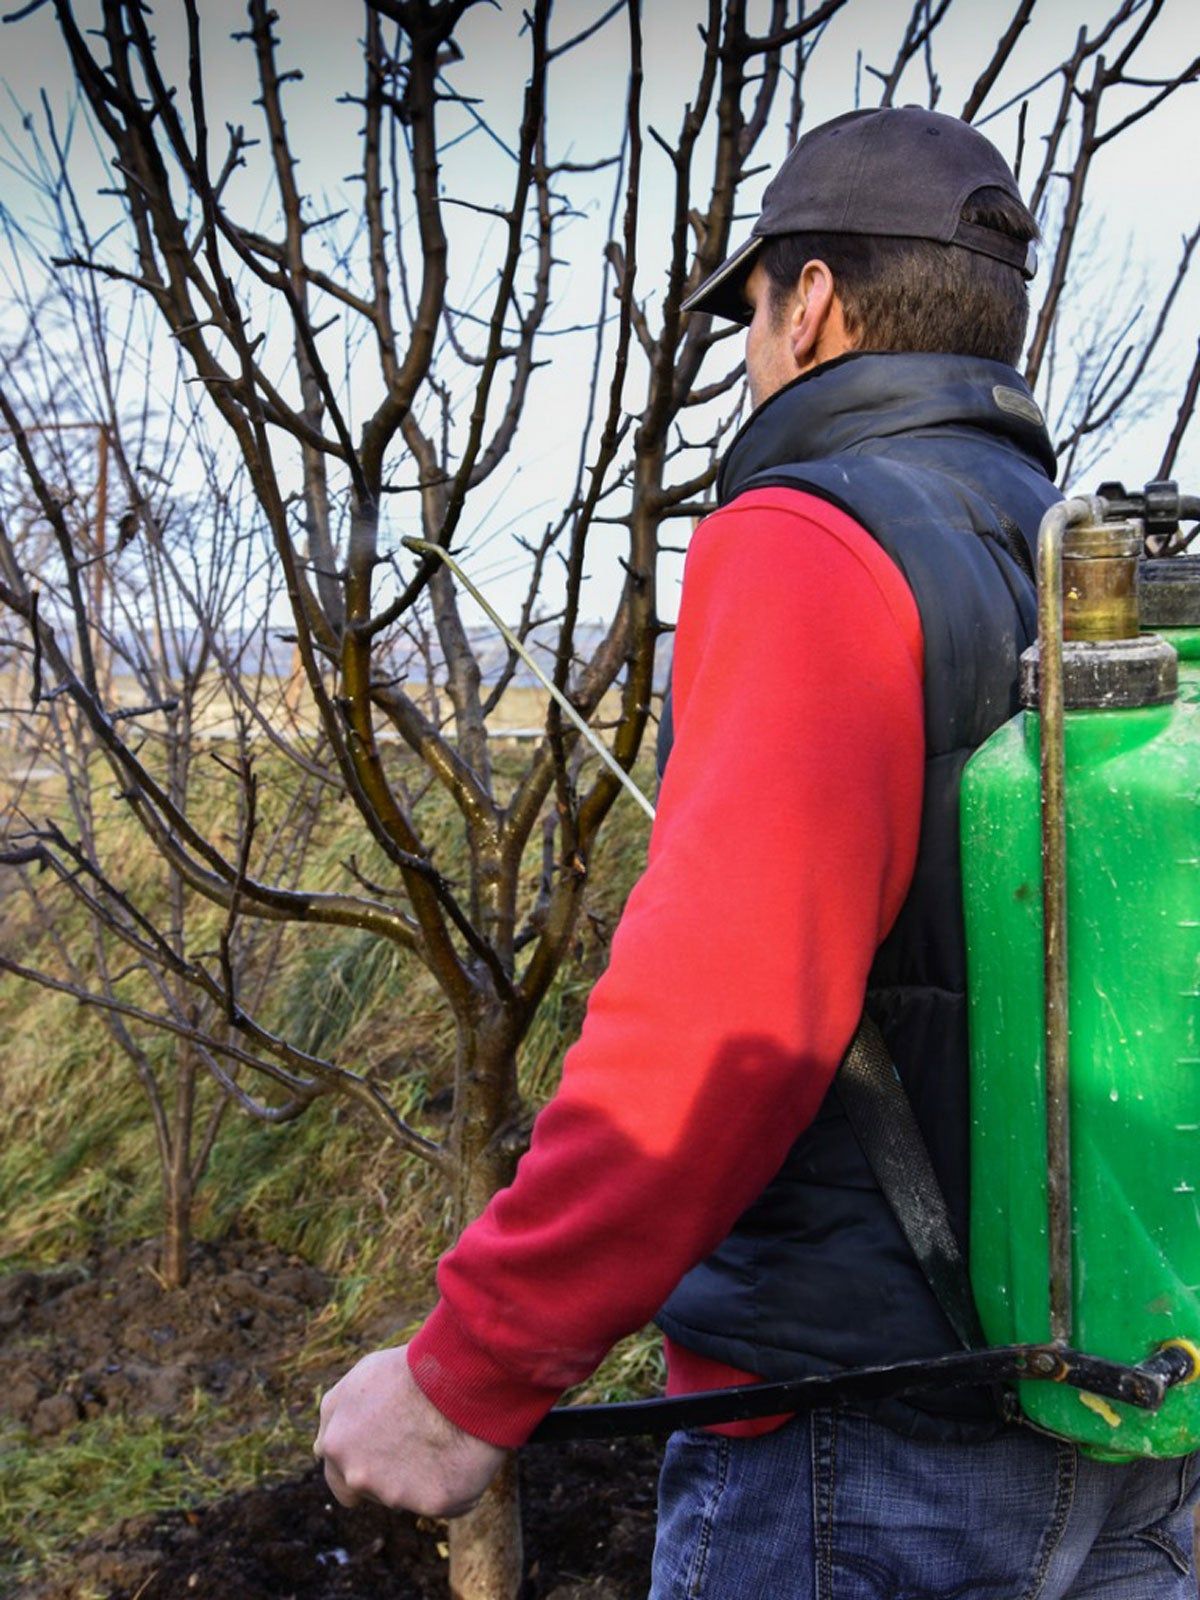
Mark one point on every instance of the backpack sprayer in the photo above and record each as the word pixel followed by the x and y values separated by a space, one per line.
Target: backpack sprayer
pixel 1084 973
pixel 1080 816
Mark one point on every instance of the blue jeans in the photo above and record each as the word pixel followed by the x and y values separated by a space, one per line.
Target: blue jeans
pixel 834 1506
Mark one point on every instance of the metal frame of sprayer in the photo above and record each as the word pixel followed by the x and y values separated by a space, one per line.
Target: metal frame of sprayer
pixel 1157 512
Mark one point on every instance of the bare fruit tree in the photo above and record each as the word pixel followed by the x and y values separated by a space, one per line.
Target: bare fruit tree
pixel 161 639
pixel 376 373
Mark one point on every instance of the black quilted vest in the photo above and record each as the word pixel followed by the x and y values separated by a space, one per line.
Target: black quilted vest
pixel 945 461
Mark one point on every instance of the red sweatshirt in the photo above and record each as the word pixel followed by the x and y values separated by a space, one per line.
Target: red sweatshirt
pixel 783 849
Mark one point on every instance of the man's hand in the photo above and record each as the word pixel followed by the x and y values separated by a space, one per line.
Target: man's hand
pixel 382 1440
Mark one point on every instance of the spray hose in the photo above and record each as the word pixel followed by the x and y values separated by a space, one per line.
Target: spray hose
pixel 425 548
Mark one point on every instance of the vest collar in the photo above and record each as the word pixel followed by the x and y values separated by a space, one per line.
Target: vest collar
pixel 847 404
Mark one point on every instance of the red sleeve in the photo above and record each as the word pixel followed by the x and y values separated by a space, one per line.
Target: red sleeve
pixel 783 848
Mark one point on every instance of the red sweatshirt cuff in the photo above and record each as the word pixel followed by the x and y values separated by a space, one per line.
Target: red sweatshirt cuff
pixel 470 1387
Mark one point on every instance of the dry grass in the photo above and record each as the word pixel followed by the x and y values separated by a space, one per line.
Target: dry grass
pixel 287 705
pixel 78 1164
pixel 77 1158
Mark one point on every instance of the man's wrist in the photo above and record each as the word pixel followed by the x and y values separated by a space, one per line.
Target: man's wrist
pixel 471 1387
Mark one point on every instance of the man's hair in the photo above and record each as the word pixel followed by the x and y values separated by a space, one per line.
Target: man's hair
pixel 916 294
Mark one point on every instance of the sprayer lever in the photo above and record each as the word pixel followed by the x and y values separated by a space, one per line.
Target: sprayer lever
pixel 1144 1386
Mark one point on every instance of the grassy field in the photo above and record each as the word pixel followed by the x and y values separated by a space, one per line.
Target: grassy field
pixel 520 712
pixel 78 1170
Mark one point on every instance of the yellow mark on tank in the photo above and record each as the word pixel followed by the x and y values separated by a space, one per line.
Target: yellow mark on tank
pixel 1101 1407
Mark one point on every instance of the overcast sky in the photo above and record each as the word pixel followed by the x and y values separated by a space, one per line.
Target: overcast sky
pixel 1145 189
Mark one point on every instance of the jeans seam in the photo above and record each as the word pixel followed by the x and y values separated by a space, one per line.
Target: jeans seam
pixel 1064 1500
pixel 1187 1466
pixel 823 1428
pixel 1170 1547
pixel 699 1563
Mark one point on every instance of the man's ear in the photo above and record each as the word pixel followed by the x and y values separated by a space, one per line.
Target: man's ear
pixel 818 331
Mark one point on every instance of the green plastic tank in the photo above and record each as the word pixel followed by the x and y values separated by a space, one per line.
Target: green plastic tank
pixel 1132 807
pixel 1133 896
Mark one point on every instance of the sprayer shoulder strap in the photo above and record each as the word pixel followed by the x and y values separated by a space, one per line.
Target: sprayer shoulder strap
pixel 883 1121
pixel 1013 541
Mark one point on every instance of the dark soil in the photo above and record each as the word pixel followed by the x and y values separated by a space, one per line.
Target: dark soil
pixel 589 1531
pixel 105 1336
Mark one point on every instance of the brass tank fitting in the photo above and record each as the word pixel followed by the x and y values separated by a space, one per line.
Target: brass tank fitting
pixel 1100 581
pixel 1107 662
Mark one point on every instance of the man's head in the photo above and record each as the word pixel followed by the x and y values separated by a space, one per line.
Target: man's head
pixel 924 242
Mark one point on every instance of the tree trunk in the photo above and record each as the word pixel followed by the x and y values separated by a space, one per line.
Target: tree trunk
pixel 177 1228
pixel 486 1555
pixel 179 1190
pixel 486 1551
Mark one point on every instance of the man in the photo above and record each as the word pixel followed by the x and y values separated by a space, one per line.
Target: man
pixel 850 626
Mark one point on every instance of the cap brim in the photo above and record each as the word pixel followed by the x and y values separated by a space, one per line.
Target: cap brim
pixel 721 292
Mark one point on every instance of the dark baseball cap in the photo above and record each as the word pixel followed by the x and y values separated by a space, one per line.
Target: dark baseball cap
pixel 900 172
